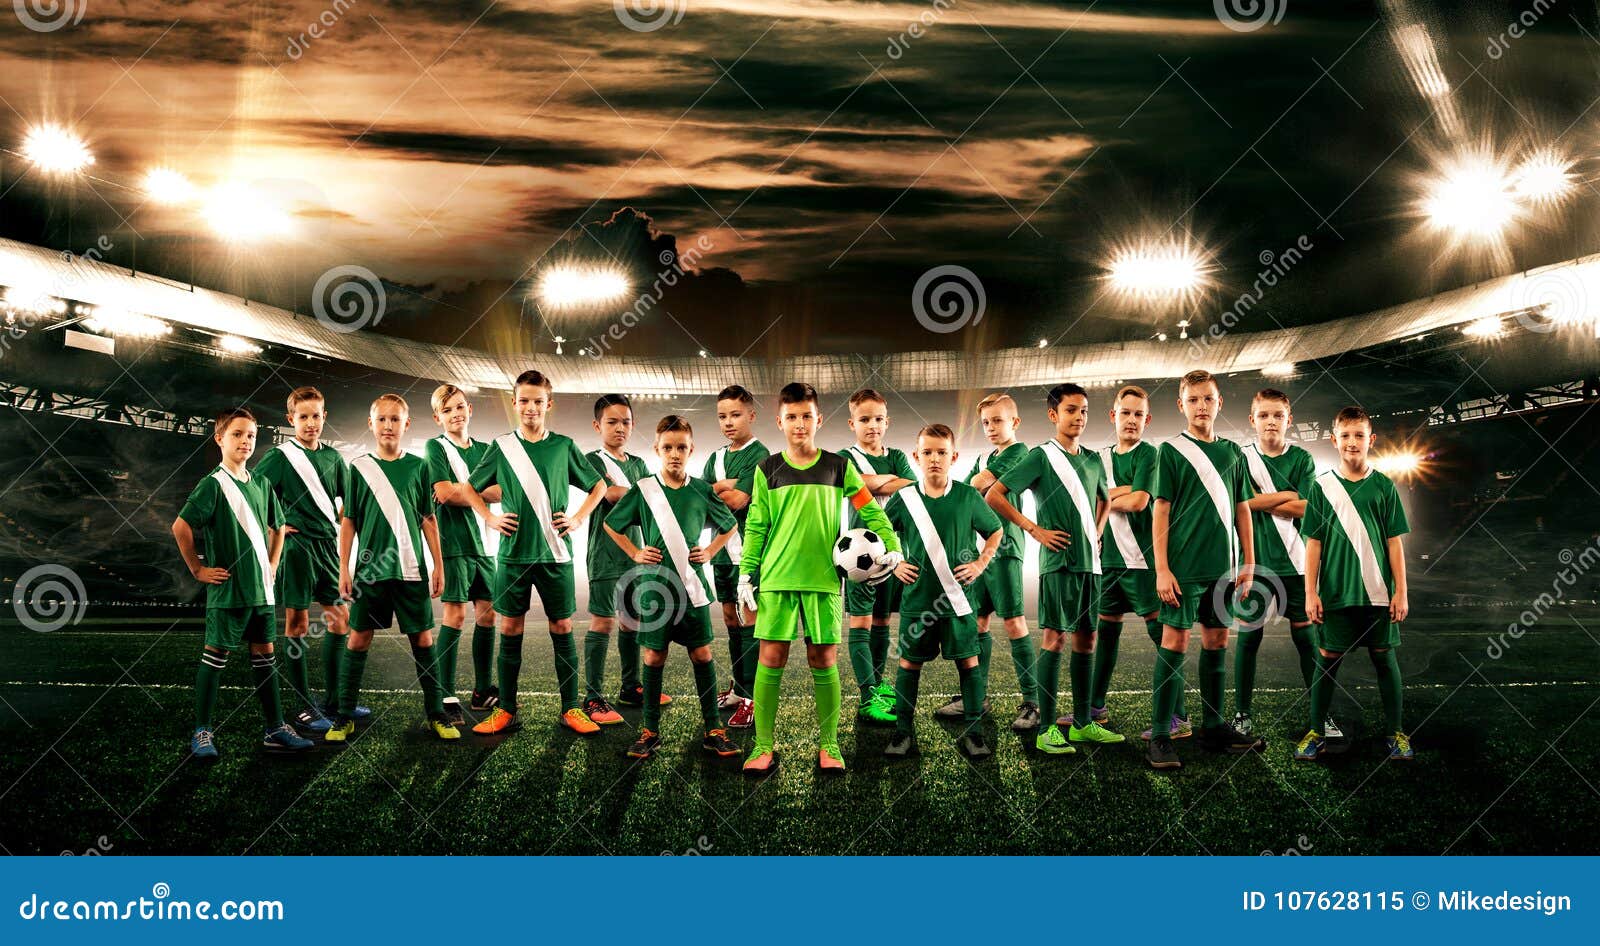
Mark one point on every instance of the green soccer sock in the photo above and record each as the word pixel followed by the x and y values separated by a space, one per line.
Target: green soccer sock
pixel 298 660
pixel 594 663
pixel 1387 666
pixel 825 681
pixel 744 677
pixel 207 683
pixel 628 653
pixel 705 686
pixel 426 661
pixel 351 670
pixel 859 647
pixel 652 697
pixel 906 683
pixel 1213 685
pixel 483 636
pixel 1022 661
pixel 880 652
pixel 263 673
pixel 444 657
pixel 985 652
pixel 1047 677
pixel 1105 661
pixel 974 689
pixel 768 685
pixel 1165 686
pixel 333 651
pixel 1181 707
pixel 510 667
pixel 1080 669
pixel 1305 643
pixel 1244 668
pixel 1322 688
pixel 1153 628
pixel 736 659
pixel 566 669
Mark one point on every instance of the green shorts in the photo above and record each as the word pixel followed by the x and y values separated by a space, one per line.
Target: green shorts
pixel 1207 603
pixel 786 615
pixel 1067 601
pixel 467 578
pixel 308 571
pixel 603 597
pixel 1282 596
pixel 515 583
pixel 725 582
pixel 232 628
pixel 879 601
pixel 1345 629
pixel 379 604
pixel 999 589
pixel 923 637
pixel 694 630
pixel 1128 591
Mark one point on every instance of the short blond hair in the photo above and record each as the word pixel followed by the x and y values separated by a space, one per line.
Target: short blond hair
pixel 1196 377
pixel 442 395
pixel 1132 389
pixel 302 394
pixel 999 397
pixel 391 399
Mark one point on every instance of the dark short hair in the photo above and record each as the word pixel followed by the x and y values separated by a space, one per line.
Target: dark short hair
pixel 1352 414
pixel 867 394
pixel 937 430
pixel 1063 391
pixel 229 416
pixel 611 400
pixel 534 377
pixel 673 422
pixel 737 392
pixel 797 392
pixel 1270 394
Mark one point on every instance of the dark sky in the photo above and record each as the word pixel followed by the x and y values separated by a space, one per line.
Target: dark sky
pixel 826 156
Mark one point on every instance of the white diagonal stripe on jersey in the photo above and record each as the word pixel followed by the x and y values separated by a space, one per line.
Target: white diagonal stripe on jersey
pixel 249 524
pixel 613 469
pixel 1292 543
pixel 533 487
pixel 1344 510
pixel 655 496
pixel 1068 475
pixel 1121 528
pixel 953 592
pixel 297 458
pixel 458 469
pixel 1211 479
pixel 389 504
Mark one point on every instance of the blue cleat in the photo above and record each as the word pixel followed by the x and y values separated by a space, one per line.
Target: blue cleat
pixel 311 719
pixel 284 737
pixel 361 712
pixel 201 746
pixel 1309 748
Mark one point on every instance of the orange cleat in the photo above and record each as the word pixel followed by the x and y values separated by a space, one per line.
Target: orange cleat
pixel 828 760
pixel 577 721
pixel 499 723
pixel 761 762
pixel 598 710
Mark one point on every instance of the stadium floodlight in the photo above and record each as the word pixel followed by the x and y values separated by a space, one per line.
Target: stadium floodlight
pixel 561 340
pixel 110 321
pixel 574 287
pixel 166 186
pixel 1157 270
pixel 1543 178
pixel 1402 464
pixel 234 345
pixel 1283 369
pixel 703 353
pixel 1489 326
pixel 1470 196
pixel 237 212
pixel 55 150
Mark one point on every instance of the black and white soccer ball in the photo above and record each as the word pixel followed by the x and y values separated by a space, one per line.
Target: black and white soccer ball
pixel 856 553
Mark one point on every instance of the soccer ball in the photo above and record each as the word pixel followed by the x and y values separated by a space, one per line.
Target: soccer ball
pixel 855 554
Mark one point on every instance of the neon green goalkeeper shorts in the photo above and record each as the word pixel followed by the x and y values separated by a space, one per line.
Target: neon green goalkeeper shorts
pixel 786 615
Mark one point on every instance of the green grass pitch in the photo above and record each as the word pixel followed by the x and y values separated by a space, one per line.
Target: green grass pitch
pixel 95 721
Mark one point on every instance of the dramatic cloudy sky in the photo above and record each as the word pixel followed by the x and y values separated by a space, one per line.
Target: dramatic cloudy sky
pixel 825 155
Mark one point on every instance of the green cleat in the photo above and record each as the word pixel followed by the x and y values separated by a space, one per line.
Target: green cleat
pixel 877 712
pixel 1094 732
pixel 885 692
pixel 1053 742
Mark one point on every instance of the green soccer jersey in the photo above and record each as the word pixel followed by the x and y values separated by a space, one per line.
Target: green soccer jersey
pixel 959 518
pixel 559 464
pixel 894 461
pixel 229 526
pixel 605 559
pixel 389 521
pixel 460 530
pixel 1125 543
pixel 1354 519
pixel 795 517
pixel 1280 549
pixel 1058 505
pixel 303 508
pixel 1000 462
pixel 727 463
pixel 1204 482
pixel 693 506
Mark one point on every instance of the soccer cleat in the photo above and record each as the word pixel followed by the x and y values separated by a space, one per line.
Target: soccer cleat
pixel 499 723
pixel 311 720
pixel 744 717
pixel 342 728
pixel 1179 729
pixel 443 728
pixel 1066 722
pixel 202 747
pixel 760 762
pixel 1053 742
pixel 1094 732
pixel 973 744
pixel 876 712
pixel 1400 748
pixel 484 700
pixel 727 699
pixel 452 711
pixel 1163 755
pixel 601 712
pixel 886 692
pixel 361 712
pixel 1100 714
pixel 952 708
pixel 634 696
pixel 1241 722
pixel 1309 747
pixel 1226 738
pixel 717 743
pixel 830 760
pixel 645 746
pixel 579 722
pixel 1331 730
pixel 285 738
pixel 1027 717
pixel 902 745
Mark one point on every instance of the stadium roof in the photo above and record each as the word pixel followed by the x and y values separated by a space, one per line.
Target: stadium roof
pixel 1556 290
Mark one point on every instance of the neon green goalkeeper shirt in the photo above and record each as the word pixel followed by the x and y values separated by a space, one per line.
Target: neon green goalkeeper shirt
pixel 795 518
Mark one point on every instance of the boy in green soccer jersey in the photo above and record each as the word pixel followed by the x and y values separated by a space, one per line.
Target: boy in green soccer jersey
pixel 238 520
pixel 1282 475
pixel 613 421
pixel 308 477
pixel 1129 584
pixel 937 522
pixel 999 590
pixel 787 577
pixel 1201 542
pixel 468 568
pixel 667 596
pixel 389 511
pixel 533 467
pixel 1355 578
pixel 872 608
pixel 730 470
pixel 1070 488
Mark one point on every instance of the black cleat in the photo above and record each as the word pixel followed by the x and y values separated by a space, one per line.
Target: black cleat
pixel 645 746
pixel 717 743
pixel 1163 755
pixel 452 712
pixel 973 744
pixel 485 700
pixel 1228 738
pixel 901 746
